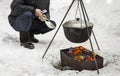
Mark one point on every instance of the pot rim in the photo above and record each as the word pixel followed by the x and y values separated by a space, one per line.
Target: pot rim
pixel 80 24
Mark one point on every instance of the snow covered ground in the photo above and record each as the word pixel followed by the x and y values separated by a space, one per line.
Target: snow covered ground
pixel 18 61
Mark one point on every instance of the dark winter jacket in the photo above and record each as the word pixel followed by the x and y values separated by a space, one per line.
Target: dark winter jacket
pixel 20 6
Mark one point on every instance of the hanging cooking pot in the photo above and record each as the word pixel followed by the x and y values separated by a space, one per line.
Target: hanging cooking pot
pixel 76 30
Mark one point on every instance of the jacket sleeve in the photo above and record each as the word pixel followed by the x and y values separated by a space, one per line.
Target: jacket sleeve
pixel 48 10
pixel 18 6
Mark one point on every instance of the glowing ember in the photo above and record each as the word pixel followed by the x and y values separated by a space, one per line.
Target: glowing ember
pixel 81 54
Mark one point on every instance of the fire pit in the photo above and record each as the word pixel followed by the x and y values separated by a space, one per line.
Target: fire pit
pixel 80 60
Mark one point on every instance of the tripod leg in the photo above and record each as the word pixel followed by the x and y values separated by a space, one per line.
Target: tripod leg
pixel 92 30
pixel 95 40
pixel 84 10
pixel 89 35
pixel 58 29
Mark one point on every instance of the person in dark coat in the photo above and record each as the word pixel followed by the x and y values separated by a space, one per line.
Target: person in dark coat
pixel 28 18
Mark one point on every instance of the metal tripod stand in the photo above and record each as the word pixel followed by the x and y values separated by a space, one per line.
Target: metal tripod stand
pixel 86 18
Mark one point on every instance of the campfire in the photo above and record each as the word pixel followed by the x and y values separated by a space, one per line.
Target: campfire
pixel 81 54
pixel 80 58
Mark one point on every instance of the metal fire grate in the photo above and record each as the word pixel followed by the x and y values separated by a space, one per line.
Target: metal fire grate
pixel 66 60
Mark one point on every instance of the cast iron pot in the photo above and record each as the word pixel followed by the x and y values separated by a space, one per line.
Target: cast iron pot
pixel 76 30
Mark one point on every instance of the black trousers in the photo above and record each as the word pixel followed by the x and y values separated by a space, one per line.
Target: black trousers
pixel 28 25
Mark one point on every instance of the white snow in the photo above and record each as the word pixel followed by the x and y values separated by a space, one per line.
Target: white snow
pixel 18 61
